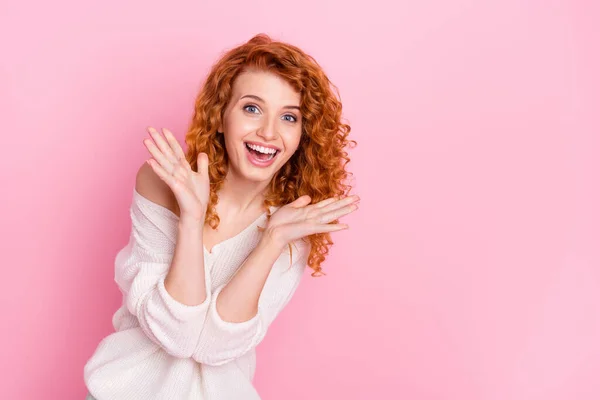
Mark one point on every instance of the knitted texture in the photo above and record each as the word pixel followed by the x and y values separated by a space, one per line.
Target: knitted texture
pixel 165 350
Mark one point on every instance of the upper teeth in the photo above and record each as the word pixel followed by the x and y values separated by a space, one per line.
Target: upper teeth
pixel 263 150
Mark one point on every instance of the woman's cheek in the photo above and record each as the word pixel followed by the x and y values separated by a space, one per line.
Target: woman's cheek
pixel 249 125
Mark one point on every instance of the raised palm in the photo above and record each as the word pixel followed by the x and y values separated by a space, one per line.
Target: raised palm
pixel 191 188
pixel 300 218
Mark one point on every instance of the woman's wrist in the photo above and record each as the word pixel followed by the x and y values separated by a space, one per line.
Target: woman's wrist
pixel 271 238
pixel 191 223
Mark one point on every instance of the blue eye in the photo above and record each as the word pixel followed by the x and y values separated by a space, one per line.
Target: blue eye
pixel 292 118
pixel 252 109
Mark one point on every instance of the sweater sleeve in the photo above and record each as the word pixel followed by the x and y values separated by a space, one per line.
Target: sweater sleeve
pixel 222 341
pixel 140 271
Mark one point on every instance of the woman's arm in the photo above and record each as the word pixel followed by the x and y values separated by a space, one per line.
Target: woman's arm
pixel 162 274
pixel 185 281
pixel 238 301
pixel 241 311
pixel 161 271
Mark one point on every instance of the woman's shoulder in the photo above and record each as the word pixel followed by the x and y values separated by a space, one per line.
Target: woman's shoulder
pixel 153 191
pixel 153 218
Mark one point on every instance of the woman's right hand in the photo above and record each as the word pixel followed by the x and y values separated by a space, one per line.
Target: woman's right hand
pixel 300 218
pixel 191 189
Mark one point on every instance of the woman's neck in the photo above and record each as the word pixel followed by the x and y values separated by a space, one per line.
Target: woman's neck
pixel 239 196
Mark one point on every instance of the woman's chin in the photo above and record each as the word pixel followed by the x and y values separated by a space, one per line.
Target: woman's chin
pixel 256 175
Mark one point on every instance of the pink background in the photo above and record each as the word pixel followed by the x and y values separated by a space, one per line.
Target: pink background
pixel 471 270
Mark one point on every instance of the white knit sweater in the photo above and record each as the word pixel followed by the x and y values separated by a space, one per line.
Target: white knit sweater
pixel 166 350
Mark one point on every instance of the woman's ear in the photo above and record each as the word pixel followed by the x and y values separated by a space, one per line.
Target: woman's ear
pixel 221 119
pixel 221 127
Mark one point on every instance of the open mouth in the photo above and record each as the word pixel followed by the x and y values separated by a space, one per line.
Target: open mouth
pixel 261 154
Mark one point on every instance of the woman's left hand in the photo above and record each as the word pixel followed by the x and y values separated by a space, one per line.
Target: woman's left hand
pixel 300 218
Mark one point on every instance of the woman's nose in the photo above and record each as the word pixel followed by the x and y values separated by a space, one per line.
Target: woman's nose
pixel 268 131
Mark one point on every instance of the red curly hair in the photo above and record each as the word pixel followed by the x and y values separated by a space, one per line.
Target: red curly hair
pixel 317 168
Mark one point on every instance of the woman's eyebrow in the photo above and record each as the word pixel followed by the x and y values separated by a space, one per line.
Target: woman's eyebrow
pixel 251 96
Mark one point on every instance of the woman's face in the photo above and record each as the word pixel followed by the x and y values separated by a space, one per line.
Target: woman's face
pixel 262 125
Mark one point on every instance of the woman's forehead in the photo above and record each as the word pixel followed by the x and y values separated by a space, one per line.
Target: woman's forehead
pixel 266 85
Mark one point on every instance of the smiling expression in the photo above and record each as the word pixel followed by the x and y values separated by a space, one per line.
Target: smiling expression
pixel 262 124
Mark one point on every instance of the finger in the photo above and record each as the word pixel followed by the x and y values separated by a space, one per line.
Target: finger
pixel 159 156
pixel 324 228
pixel 335 214
pixel 339 204
pixel 162 174
pixel 325 202
pixel 203 164
pixel 301 201
pixel 177 185
pixel 163 145
pixel 174 143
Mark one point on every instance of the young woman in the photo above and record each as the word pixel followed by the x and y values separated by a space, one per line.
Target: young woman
pixel 221 236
